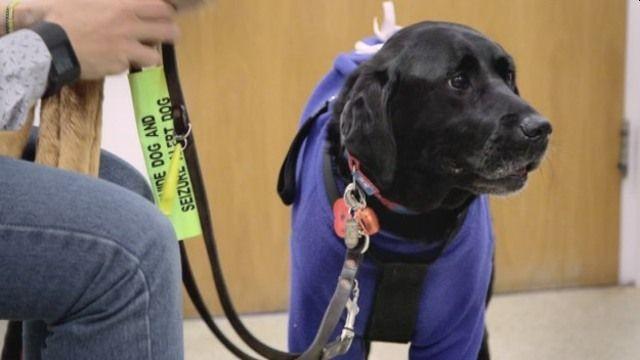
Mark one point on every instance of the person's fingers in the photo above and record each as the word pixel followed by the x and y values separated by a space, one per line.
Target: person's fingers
pixel 140 55
pixel 155 32
pixel 154 10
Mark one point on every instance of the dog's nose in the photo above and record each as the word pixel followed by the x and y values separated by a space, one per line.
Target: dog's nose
pixel 535 127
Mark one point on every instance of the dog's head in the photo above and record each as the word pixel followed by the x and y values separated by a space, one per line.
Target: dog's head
pixel 436 114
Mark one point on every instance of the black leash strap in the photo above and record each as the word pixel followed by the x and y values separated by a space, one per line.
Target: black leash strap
pixel 319 348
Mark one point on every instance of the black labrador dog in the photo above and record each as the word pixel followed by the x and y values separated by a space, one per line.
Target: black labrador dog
pixel 435 121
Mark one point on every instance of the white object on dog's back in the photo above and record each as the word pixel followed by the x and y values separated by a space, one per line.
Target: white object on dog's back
pixel 384 32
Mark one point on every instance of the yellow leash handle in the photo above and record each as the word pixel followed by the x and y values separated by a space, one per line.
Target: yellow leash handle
pixel 163 152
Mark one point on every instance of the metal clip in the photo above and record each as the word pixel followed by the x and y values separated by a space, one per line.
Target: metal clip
pixel 348 331
pixel 179 112
pixel 354 197
pixel 355 200
pixel 183 138
pixel 367 241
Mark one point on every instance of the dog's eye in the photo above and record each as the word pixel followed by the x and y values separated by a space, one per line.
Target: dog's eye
pixel 459 82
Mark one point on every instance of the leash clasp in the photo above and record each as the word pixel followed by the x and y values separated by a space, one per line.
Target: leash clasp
pixel 342 344
pixel 348 331
pixel 356 201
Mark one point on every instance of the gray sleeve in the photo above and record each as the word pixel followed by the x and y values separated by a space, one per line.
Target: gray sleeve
pixel 24 69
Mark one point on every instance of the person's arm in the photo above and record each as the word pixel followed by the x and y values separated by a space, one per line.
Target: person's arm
pixel 24 68
pixel 25 62
pixel 107 37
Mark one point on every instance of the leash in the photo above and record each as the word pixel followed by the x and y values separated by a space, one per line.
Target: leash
pixel 346 293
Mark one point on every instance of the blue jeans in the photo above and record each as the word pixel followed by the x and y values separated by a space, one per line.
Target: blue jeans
pixel 90 265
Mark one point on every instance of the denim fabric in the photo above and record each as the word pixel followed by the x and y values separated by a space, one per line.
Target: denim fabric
pixel 90 265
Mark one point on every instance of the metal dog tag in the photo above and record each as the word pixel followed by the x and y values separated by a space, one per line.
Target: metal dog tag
pixel 352 233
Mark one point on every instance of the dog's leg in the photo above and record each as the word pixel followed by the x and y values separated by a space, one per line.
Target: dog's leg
pixel 367 348
pixel 484 349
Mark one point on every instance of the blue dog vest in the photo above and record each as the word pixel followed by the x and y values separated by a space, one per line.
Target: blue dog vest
pixel 450 322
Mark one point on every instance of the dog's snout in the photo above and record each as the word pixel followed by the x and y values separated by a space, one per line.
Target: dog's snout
pixel 535 127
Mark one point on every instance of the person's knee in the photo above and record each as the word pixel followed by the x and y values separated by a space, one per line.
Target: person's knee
pixel 134 269
pixel 159 252
pixel 164 243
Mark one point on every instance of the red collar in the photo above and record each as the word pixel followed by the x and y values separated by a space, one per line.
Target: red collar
pixel 370 189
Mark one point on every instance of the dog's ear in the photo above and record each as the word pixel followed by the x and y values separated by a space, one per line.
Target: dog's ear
pixel 366 130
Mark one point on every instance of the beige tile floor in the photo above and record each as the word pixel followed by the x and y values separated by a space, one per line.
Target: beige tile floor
pixel 585 324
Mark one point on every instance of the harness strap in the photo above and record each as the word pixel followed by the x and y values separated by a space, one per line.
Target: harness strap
pixel 287 177
pixel 396 305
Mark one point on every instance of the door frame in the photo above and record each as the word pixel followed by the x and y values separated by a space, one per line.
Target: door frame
pixel 630 191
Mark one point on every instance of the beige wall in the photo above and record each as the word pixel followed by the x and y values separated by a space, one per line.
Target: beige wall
pixel 119 128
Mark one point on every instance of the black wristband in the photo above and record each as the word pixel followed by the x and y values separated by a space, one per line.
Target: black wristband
pixel 65 67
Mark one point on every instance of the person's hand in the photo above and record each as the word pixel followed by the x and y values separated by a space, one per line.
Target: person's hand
pixel 108 36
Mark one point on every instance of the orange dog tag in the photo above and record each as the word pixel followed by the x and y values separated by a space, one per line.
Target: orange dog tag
pixel 340 217
pixel 368 220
